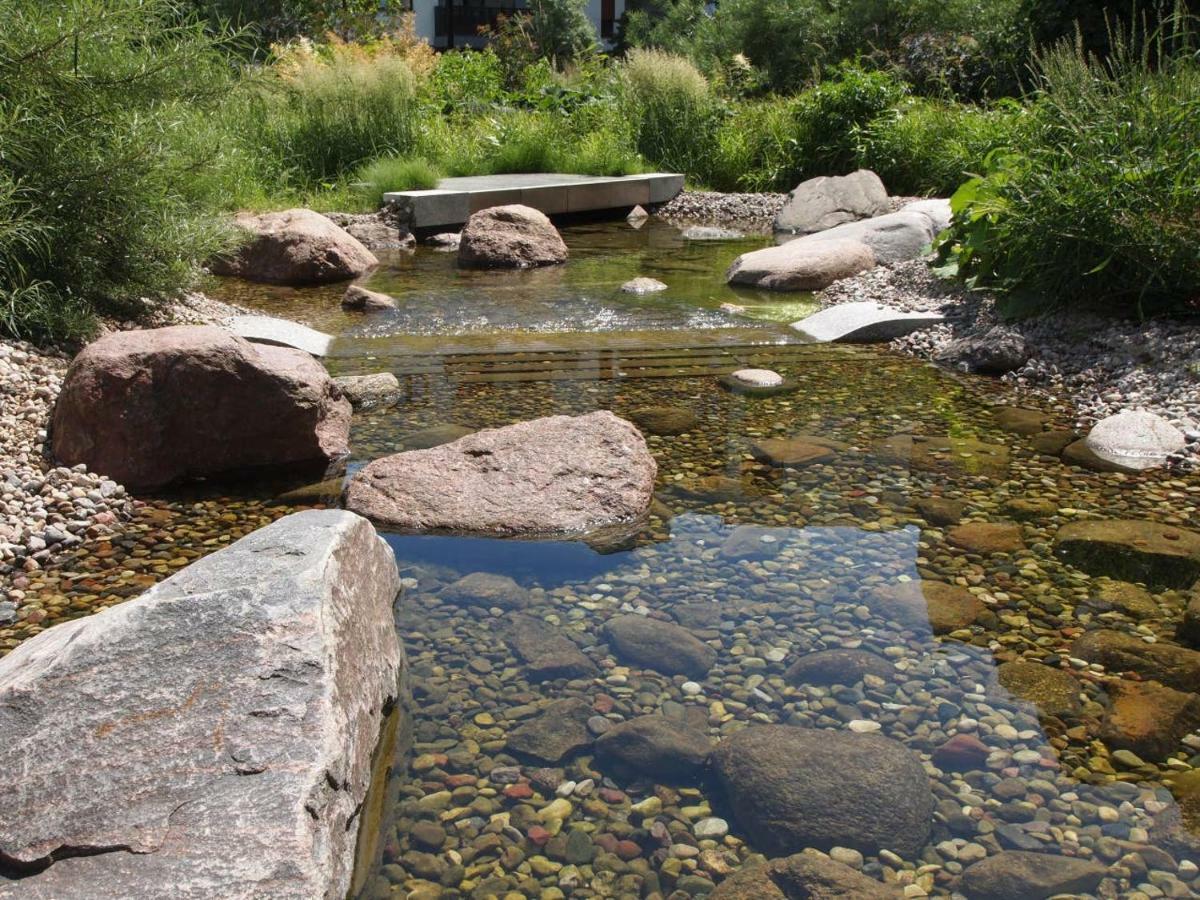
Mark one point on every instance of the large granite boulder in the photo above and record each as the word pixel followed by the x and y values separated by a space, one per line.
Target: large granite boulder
pixel 809 875
pixel 892 237
pixel 828 201
pixel 297 247
pixel 800 266
pixel 213 737
pixel 1161 556
pixel 1134 440
pixel 863 323
pixel 1024 875
pixel 661 646
pixel 511 237
pixel 793 788
pixel 560 474
pixel 148 408
pixel 655 747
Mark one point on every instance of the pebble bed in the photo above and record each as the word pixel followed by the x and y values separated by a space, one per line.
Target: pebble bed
pixel 751 213
pixel 1102 365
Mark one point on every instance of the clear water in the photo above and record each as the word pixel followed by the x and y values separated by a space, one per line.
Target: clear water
pixel 831 540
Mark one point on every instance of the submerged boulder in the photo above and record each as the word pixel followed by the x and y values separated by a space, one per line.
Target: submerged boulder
pixel 359 298
pixel 295 246
pixel 545 650
pixel 148 408
pixel 1055 692
pixel 214 735
pixel 661 646
pixel 656 747
pixel 1024 875
pixel 1148 718
pixel 1174 666
pixel 809 875
pixel 1161 556
pixel 514 237
pixel 800 266
pixel 793 788
pixel 557 475
pixel 378 390
pixel 827 201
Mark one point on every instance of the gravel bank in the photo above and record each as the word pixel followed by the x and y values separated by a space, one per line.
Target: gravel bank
pixel 47 509
pixel 1101 365
pixel 753 213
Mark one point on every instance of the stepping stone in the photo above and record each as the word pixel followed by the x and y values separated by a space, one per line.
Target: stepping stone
pixel 863 322
pixel 281 333
pixel 643 285
pixel 1134 440
pixel 1160 556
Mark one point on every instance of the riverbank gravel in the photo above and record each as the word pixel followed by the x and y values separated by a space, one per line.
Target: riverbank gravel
pixel 752 213
pixel 1102 365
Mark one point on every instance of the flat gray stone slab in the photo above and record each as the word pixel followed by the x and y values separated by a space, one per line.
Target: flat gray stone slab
pixel 863 323
pixel 455 199
pixel 281 333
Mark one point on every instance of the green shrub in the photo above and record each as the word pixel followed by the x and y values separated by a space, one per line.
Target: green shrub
pixel 675 115
pixel 932 146
pixel 1100 203
pixel 313 118
pixel 104 183
pixel 394 173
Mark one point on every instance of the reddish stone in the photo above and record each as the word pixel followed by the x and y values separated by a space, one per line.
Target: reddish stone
pixel 606 842
pixel 457 781
pixel 611 795
pixel 603 704
pixel 961 752
pixel 538 835
pixel 160 405
pixel 628 850
pixel 520 791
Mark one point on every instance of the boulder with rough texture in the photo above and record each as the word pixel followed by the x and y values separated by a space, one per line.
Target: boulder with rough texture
pixel 800 266
pixel 486 590
pixel 376 391
pixel 809 875
pixel 1055 692
pixel 661 646
pixel 827 201
pixel 826 667
pixel 557 731
pixel 512 237
pixel 359 298
pixel 148 408
pixel 545 650
pixel 1134 440
pixel 992 351
pixel 560 474
pixel 863 323
pixel 936 208
pixel 656 747
pixel 892 237
pixel 1148 718
pixel 295 246
pixel 793 788
pixel 643 285
pixel 1022 875
pixel 1176 667
pixel 1161 556
pixel 213 737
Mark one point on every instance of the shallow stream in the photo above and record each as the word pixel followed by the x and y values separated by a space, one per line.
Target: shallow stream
pixel 762 563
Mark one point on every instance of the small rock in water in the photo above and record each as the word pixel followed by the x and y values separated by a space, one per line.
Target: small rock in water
pixel 711 827
pixel 643 285
pixel 758 377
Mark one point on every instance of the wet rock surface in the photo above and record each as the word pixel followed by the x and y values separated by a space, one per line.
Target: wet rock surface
pixel 794 788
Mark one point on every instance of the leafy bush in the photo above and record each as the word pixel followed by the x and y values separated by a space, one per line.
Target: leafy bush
pixel 104 182
pixel 928 146
pixel 1099 205
pixel 673 111
pixel 318 115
